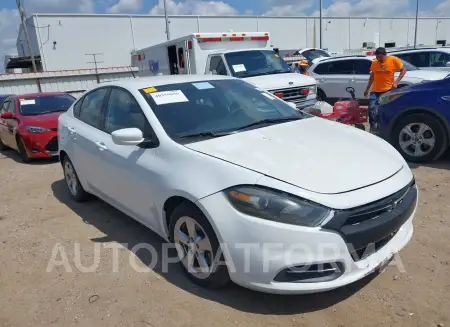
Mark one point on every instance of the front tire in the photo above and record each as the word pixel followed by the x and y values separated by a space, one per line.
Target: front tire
pixel 321 96
pixel 22 150
pixel 198 247
pixel 420 138
pixel 72 181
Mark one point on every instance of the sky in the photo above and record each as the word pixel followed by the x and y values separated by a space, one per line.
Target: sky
pixel 9 17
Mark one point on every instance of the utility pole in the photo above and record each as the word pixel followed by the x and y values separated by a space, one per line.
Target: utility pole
pixel 167 20
pixel 320 23
pixel 417 23
pixel 95 62
pixel 25 31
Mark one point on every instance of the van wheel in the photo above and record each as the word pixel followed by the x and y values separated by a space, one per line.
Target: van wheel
pixel 198 247
pixel 420 138
pixel 321 96
pixel 72 181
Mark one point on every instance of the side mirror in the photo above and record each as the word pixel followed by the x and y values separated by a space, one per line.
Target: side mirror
pixel 447 64
pixel 292 105
pixel 127 136
pixel 7 115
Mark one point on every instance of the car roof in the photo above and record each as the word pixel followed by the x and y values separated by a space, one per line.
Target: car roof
pixel 328 59
pixel 41 94
pixel 143 82
pixel 420 50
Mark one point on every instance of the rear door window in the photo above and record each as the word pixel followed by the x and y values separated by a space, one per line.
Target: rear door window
pixel 341 67
pixel 362 66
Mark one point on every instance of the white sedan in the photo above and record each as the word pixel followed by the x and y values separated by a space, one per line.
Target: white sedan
pixel 224 170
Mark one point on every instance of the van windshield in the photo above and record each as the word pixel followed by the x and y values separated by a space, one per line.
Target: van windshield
pixel 200 110
pixel 255 63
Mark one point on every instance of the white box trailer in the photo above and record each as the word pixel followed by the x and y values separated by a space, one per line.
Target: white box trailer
pixel 245 55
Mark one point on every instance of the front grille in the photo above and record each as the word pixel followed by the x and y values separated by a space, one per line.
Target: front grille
pixel 368 228
pixel 292 94
pixel 52 146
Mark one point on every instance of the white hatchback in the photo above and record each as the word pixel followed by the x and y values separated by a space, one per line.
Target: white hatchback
pixel 246 187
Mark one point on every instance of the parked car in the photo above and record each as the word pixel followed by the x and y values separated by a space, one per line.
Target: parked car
pixel 212 162
pixel 416 120
pixel 334 75
pixel 425 58
pixel 29 123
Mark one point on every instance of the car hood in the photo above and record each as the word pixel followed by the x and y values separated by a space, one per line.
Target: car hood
pixel 428 75
pixel 46 120
pixel 314 154
pixel 280 81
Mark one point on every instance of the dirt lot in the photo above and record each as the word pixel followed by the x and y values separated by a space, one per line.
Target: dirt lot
pixel 36 213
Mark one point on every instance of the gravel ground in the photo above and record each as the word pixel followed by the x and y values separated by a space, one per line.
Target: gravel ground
pixel 37 214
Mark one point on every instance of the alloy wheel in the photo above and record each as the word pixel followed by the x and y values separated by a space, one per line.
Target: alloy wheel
pixel 194 247
pixel 417 139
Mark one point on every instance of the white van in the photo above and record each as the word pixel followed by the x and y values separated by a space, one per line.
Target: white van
pixel 243 55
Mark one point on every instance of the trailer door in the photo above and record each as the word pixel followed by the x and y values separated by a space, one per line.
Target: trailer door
pixel 182 59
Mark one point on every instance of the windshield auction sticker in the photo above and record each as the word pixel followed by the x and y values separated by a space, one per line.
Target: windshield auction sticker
pixel 239 68
pixel 167 97
pixel 25 102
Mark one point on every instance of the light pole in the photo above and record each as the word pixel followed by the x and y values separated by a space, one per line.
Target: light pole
pixel 25 31
pixel 417 21
pixel 167 20
pixel 437 27
pixel 320 23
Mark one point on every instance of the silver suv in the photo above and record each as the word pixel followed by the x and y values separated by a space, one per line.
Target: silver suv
pixel 425 58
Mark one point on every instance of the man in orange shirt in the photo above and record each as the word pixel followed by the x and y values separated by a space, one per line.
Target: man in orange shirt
pixel 382 78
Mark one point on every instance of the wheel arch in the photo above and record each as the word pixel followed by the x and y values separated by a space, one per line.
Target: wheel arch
pixel 171 203
pixel 420 110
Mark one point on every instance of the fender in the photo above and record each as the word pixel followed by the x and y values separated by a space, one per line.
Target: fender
pixel 418 109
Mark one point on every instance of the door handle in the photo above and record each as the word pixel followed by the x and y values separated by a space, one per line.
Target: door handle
pixel 101 146
pixel 446 98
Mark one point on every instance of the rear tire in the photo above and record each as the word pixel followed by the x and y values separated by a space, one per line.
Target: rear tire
pixel 197 247
pixel 73 182
pixel 420 137
pixel 3 146
pixel 22 150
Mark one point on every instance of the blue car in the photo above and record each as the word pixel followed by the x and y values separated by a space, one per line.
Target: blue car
pixel 416 120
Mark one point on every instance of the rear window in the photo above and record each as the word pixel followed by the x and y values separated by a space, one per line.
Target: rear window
pixel 45 104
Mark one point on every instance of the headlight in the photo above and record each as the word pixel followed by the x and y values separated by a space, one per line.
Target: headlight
pixel 389 97
pixel 35 129
pixel 277 206
pixel 313 89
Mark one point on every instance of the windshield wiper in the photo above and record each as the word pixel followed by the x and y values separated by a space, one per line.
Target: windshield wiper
pixel 204 134
pixel 268 122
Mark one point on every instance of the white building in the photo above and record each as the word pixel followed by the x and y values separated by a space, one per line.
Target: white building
pixel 67 41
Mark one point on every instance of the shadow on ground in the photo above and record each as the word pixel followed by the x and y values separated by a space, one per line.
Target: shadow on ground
pixel 14 155
pixel 122 229
pixel 442 163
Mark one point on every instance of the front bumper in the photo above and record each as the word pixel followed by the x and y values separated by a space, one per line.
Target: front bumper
pixel 306 103
pixel 41 145
pixel 259 251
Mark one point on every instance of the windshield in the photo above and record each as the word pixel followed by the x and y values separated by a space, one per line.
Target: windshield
pixel 255 63
pixel 45 104
pixel 314 54
pixel 408 66
pixel 215 107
